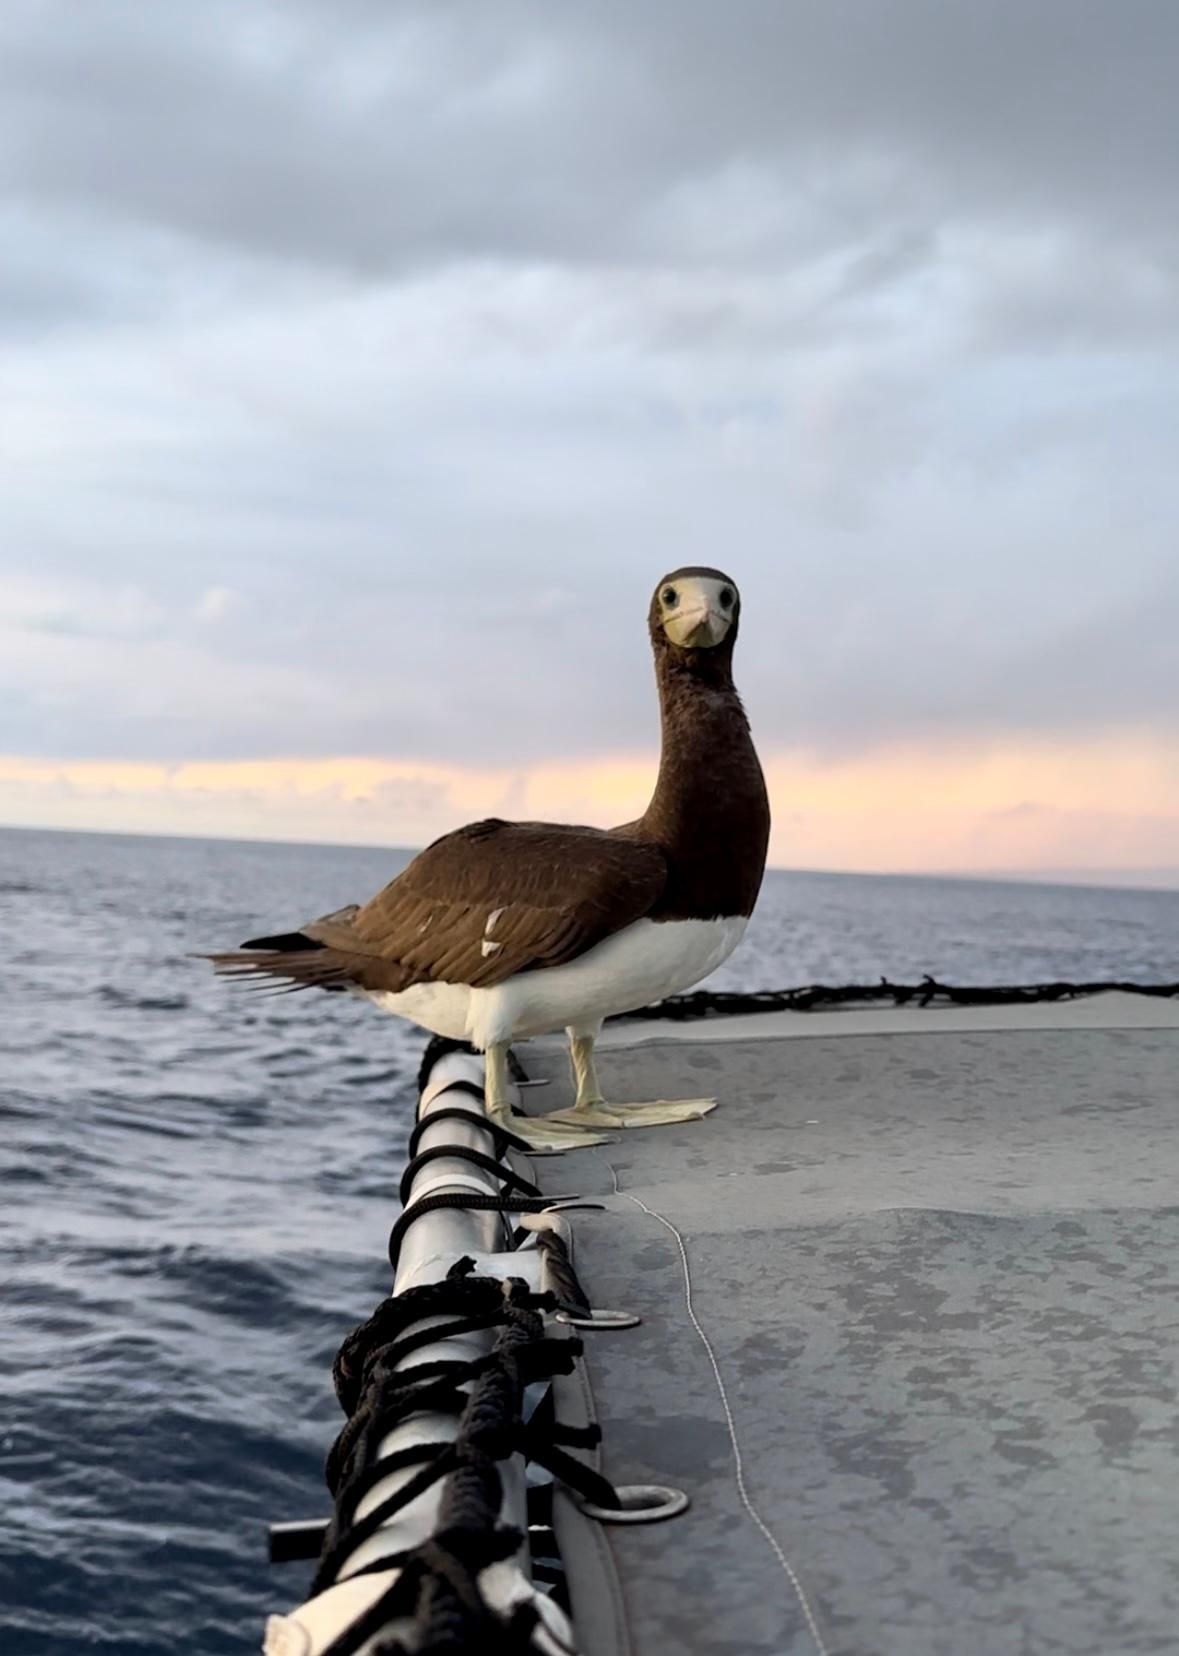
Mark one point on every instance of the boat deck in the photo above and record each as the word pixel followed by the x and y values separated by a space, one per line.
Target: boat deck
pixel 937 1257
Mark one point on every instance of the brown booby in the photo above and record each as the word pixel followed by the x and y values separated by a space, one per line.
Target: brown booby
pixel 501 930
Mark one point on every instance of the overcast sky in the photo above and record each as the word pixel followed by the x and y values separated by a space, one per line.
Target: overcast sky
pixel 363 365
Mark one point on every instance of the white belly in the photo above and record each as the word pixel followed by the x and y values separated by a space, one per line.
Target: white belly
pixel 641 963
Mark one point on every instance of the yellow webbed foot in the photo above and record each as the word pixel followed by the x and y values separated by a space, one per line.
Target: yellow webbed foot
pixel 661 1112
pixel 545 1134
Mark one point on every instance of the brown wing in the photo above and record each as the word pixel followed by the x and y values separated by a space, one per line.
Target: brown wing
pixel 477 906
pixel 497 898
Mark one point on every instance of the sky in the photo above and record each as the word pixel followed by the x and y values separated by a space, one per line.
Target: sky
pixel 363 365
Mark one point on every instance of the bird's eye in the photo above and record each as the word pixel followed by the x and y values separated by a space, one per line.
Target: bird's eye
pixel 726 597
pixel 670 597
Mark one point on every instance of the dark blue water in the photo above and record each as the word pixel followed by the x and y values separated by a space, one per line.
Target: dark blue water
pixel 197 1188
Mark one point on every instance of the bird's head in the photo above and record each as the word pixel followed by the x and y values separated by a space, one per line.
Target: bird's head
pixel 695 611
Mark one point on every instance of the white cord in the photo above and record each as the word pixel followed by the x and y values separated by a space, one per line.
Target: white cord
pixel 788 1569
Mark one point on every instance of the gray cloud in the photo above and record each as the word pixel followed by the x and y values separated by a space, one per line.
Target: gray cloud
pixel 428 335
pixel 375 138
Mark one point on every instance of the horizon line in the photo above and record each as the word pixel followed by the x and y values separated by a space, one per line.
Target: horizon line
pixel 1082 878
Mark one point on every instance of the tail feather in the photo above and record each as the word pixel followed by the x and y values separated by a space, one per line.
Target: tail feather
pixel 293 960
pixel 335 925
pixel 311 965
pixel 283 942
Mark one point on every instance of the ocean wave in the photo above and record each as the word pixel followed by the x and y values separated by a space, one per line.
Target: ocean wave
pixel 127 1000
pixel 205 1185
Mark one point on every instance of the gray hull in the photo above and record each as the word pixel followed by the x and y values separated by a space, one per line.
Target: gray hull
pixel 937 1256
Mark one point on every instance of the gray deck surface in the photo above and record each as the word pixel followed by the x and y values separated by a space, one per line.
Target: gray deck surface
pixel 940 1270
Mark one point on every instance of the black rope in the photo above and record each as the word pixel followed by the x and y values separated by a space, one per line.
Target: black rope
pixel 438 1046
pixel 437 1584
pixel 463 1152
pixel 504 1140
pixel 472 1200
pixel 710 1003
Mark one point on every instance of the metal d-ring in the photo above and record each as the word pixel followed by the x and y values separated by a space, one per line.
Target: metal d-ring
pixel 641 1504
pixel 599 1319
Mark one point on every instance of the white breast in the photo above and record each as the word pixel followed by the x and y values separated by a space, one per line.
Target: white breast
pixel 440 1007
pixel 641 963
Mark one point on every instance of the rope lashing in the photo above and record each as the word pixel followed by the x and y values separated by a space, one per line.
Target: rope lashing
pixel 710 1003
pixel 470 1201
pixel 382 1383
pixel 437 1584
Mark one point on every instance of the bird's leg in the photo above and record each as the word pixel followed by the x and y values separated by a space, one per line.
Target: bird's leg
pixel 539 1131
pixel 585 1072
pixel 591 1109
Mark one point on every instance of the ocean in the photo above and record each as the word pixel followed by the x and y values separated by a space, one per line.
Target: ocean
pixel 197 1189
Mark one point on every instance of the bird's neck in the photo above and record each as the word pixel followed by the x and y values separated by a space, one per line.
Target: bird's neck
pixel 709 809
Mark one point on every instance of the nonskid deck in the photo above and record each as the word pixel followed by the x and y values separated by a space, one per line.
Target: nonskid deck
pixel 936 1256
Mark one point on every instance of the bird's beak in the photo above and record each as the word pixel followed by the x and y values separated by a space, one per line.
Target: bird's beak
pixel 699 625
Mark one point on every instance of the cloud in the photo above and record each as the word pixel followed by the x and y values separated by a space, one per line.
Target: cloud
pixel 361 370
pixel 79 609
pixel 216 603
pixel 373 137
pixel 456 560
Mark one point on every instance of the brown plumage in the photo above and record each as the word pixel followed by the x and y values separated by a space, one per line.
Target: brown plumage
pixel 709 810
pixel 698 852
pixel 558 889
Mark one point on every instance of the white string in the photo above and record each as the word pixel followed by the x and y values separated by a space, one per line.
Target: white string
pixel 788 1569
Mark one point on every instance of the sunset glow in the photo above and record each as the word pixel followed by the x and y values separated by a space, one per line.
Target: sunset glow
pixel 1109 803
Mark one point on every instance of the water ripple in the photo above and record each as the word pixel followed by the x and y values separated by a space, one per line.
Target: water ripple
pixel 197 1190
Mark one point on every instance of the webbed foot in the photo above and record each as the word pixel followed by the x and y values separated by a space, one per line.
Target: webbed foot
pixel 545 1133
pixel 660 1112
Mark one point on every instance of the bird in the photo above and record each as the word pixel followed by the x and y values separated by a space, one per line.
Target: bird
pixel 499 930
